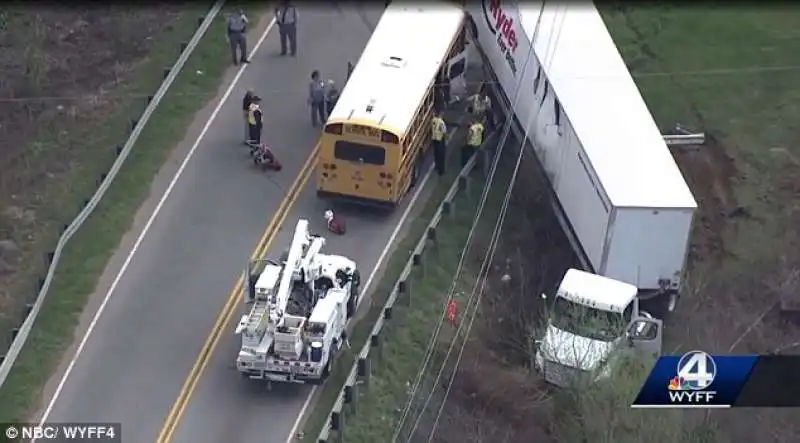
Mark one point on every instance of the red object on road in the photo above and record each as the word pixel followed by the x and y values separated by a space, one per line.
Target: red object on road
pixel 335 223
pixel 263 156
pixel 452 311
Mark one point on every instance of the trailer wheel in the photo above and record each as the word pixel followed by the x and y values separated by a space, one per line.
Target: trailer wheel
pixel 672 302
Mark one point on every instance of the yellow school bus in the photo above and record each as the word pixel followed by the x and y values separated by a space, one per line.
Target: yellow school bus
pixel 374 142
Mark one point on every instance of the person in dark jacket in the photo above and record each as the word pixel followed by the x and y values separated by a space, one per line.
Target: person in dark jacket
pixel 246 102
pixel 331 97
pixel 316 99
pixel 286 18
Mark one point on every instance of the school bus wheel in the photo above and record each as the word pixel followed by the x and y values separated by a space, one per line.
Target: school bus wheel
pixel 416 172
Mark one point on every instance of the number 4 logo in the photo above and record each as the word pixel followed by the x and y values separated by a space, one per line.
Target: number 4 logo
pixel 697 370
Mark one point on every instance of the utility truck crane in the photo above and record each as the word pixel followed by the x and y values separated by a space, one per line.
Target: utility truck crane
pixel 298 310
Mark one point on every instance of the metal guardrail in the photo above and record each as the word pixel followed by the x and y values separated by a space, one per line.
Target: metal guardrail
pixel 361 369
pixel 21 334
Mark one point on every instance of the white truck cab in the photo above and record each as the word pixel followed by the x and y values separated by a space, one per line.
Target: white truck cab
pixel 589 318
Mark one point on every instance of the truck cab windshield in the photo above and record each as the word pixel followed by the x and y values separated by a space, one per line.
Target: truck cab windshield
pixel 586 321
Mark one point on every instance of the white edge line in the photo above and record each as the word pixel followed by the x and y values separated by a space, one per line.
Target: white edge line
pixel 378 263
pixel 146 228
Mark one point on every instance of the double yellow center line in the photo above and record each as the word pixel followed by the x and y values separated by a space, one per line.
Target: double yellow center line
pixel 181 403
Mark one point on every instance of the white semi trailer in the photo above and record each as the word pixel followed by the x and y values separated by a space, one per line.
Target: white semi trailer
pixel 620 197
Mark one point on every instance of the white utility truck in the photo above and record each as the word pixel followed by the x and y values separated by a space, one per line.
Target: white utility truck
pixel 298 309
pixel 619 195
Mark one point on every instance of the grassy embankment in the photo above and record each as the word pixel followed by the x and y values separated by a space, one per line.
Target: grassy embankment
pixel 406 336
pixel 90 249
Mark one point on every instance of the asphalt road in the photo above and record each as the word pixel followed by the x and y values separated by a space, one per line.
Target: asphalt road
pixel 143 346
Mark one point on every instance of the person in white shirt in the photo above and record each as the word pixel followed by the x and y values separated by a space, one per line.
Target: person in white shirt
pixel 286 18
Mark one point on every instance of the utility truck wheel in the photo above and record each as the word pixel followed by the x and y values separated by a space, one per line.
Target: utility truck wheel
pixel 284 256
pixel 326 371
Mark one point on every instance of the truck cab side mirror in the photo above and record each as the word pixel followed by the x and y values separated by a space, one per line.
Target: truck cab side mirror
pixel 646 334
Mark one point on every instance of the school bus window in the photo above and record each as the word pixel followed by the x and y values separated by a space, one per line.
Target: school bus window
pixel 357 152
pixel 388 137
pixel 335 128
pixel 364 131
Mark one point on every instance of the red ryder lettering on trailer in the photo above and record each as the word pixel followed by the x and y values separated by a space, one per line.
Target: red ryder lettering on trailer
pixel 502 25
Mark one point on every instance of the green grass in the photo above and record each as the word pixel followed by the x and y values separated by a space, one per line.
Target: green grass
pixel 406 336
pixel 90 249
pixel 720 86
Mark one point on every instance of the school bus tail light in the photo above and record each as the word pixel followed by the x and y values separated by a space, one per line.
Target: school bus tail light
pixel 330 166
pixel 334 128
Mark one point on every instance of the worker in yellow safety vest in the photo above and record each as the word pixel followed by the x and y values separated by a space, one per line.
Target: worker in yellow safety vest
pixel 254 122
pixel 474 141
pixel 480 105
pixel 438 135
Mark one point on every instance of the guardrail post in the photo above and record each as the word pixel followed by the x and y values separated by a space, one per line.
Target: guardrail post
pixel 28 309
pixel 166 72
pixel 14 332
pixel 404 291
pixel 417 261
pixel 447 207
pixel 134 122
pixel 351 397
pixel 337 424
pixel 183 47
pixel 376 344
pixel 431 235
pixel 364 370
pixel 463 185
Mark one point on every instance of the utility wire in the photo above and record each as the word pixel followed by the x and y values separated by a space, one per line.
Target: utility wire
pixel 478 291
pixel 550 52
pixel 432 342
